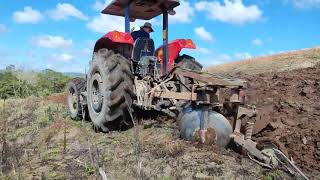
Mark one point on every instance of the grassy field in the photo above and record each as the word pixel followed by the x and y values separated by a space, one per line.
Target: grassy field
pixel 40 141
pixel 274 63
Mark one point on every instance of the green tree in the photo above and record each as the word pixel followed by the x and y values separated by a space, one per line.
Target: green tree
pixel 11 86
pixel 10 68
pixel 49 81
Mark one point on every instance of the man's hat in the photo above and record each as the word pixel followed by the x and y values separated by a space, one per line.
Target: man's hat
pixel 147 25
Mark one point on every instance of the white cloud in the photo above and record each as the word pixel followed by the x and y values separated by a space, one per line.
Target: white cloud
pixel 203 50
pixel 302 4
pixel 216 59
pixel 99 6
pixel 184 13
pixel 105 23
pixel 231 11
pixel 3 28
pixel 271 52
pixel 54 42
pixel 65 57
pixel 203 34
pixel 64 11
pixel 243 55
pixel 28 15
pixel 257 42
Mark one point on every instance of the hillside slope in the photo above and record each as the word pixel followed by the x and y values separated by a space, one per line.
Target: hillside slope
pixel 286 90
pixel 274 63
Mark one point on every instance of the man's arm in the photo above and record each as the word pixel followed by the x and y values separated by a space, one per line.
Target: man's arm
pixel 134 35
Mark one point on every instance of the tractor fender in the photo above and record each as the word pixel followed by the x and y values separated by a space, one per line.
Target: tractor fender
pixel 119 42
pixel 174 49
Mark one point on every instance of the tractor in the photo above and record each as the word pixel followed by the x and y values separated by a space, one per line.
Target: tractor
pixel 127 78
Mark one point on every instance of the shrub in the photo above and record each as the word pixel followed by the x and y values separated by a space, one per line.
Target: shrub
pixel 11 86
pixel 47 82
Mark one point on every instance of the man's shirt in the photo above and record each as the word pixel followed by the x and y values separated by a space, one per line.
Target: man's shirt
pixel 138 34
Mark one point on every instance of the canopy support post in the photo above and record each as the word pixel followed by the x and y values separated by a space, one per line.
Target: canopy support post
pixel 127 19
pixel 165 43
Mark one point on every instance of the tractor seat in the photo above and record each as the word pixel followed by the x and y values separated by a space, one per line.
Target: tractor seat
pixel 142 47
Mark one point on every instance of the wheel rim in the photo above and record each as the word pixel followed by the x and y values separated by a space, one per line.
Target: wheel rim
pixel 96 93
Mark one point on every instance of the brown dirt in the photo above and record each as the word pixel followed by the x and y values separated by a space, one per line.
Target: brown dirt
pixel 57 98
pixel 291 101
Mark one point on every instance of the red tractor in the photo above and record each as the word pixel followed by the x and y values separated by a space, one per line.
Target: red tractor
pixel 119 63
pixel 127 77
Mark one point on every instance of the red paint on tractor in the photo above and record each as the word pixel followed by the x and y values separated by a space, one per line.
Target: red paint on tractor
pixel 174 49
pixel 119 37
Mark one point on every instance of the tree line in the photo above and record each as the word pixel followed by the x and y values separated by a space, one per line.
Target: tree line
pixel 45 82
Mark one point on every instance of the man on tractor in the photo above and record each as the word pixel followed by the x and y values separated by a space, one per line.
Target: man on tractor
pixel 144 31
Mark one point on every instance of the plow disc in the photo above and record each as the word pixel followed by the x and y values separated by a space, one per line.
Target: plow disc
pixel 218 127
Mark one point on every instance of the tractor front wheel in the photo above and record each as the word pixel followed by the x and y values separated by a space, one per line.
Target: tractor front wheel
pixel 74 88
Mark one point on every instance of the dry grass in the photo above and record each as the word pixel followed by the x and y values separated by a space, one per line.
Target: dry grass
pixel 274 63
pixel 40 141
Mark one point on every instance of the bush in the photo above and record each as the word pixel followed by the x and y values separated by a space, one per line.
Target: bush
pixel 11 86
pixel 47 82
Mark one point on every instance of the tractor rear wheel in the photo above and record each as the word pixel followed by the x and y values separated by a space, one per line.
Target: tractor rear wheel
pixel 188 62
pixel 74 88
pixel 110 91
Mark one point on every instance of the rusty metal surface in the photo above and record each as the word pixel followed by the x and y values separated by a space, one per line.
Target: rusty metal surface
pixel 176 95
pixel 208 79
pixel 264 140
pixel 197 76
pixel 262 119
pixel 248 145
pixel 246 112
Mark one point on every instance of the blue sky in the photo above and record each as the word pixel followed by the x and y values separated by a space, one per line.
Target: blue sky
pixel 56 34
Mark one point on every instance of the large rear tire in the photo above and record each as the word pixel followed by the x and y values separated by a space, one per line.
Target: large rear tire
pixel 188 62
pixel 74 88
pixel 110 91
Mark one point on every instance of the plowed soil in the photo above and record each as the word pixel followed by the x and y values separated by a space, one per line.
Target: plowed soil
pixel 291 101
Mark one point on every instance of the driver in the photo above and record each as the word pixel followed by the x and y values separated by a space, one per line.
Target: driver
pixel 144 31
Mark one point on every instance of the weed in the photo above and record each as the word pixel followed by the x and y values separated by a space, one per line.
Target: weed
pixel 115 142
pixel 107 158
pixel 273 175
pixel 165 178
pixel 52 154
pixel 54 176
pixel 4 177
pixel 90 170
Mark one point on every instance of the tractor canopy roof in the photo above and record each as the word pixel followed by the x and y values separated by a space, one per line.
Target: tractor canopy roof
pixel 140 9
